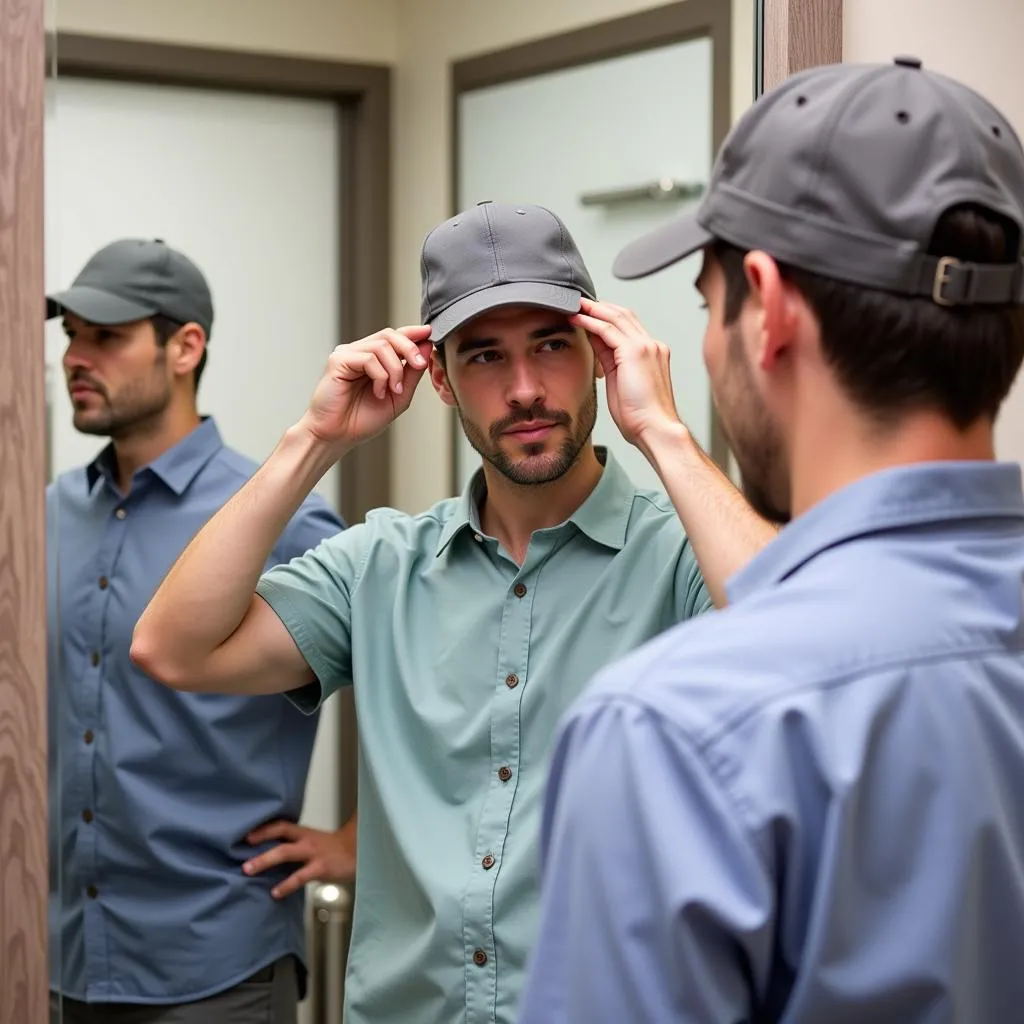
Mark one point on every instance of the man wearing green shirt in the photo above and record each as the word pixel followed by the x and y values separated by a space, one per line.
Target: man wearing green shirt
pixel 468 629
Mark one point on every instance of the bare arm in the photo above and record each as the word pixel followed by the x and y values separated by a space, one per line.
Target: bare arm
pixel 205 629
pixel 724 530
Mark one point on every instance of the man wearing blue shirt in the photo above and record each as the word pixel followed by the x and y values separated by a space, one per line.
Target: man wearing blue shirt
pixel 807 806
pixel 153 793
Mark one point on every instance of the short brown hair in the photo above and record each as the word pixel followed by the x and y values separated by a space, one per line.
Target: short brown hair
pixel 893 354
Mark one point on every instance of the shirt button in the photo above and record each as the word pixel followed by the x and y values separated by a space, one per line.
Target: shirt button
pixel 87 816
pixel 104 583
pixel 511 680
pixel 120 513
pixel 488 862
pixel 94 658
pixel 519 590
pixel 91 891
pixel 478 538
pixel 504 773
pixel 480 958
pixel 88 736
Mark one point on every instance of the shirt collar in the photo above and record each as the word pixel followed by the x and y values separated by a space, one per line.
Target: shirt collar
pixel 603 517
pixel 892 499
pixel 177 467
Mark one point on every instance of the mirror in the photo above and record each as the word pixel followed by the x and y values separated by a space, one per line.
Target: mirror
pixel 258 147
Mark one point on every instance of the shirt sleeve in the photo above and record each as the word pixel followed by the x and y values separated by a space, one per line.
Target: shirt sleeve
pixel 312 595
pixel 656 905
pixel 692 595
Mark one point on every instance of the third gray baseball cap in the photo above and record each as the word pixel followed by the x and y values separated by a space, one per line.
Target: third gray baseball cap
pixel 844 170
pixel 498 254
pixel 133 279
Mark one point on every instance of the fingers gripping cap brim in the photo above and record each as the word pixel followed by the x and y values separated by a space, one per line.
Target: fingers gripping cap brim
pixel 661 248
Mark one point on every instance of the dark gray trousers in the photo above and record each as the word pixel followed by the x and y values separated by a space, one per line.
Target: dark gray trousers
pixel 270 996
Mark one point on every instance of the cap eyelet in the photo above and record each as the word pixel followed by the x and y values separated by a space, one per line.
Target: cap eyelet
pixel 902 116
pixel 997 131
pixel 801 101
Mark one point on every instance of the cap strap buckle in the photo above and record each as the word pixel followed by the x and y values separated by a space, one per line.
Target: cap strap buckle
pixel 942 273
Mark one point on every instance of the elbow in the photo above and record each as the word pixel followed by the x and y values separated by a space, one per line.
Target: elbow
pixel 146 655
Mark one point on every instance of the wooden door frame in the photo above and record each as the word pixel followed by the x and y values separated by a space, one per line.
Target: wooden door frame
pixel 24 881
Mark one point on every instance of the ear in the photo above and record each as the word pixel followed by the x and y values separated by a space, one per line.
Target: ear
pixel 186 348
pixel 439 378
pixel 776 309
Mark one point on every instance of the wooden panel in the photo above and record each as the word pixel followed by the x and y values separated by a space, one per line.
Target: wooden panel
pixel 800 34
pixel 23 864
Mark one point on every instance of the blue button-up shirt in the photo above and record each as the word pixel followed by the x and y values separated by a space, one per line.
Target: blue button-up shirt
pixel 808 806
pixel 152 792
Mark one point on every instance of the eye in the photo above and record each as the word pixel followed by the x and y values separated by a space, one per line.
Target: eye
pixel 555 344
pixel 703 306
pixel 485 356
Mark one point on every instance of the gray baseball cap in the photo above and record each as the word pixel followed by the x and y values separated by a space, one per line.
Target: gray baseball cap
pixel 844 170
pixel 494 255
pixel 133 279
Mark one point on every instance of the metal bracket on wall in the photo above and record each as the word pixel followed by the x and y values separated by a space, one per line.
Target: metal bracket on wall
pixel 656 191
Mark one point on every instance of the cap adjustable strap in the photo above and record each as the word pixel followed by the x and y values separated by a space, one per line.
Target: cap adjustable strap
pixel 952 282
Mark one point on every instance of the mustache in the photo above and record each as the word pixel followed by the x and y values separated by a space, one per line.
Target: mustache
pixel 535 412
pixel 83 378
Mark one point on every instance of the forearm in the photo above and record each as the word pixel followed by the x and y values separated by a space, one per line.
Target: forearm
pixel 209 590
pixel 723 529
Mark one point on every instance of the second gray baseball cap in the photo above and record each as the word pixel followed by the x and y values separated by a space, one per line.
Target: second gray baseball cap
pixel 844 170
pixel 133 279
pixel 495 255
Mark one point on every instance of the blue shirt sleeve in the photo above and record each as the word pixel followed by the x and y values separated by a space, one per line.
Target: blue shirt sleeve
pixel 657 904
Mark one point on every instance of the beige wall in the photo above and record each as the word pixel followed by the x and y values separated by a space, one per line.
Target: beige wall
pixel 977 42
pixel 357 30
pixel 433 33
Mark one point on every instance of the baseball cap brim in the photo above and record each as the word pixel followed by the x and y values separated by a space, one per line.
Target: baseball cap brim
pixel 516 293
pixel 96 306
pixel 661 248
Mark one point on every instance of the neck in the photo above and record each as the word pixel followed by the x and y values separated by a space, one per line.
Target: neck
pixel 514 512
pixel 824 460
pixel 146 442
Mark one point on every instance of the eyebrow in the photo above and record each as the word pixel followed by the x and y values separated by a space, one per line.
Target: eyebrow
pixel 476 344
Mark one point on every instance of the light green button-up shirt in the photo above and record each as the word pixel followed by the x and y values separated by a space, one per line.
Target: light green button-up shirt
pixel 463 662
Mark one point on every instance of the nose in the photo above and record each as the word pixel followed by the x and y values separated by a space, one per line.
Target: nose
pixel 525 388
pixel 76 356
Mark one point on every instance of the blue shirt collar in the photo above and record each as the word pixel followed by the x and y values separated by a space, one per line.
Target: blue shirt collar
pixel 604 516
pixel 177 467
pixel 930 492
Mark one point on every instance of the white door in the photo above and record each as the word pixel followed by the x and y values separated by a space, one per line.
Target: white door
pixel 245 185
pixel 604 127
